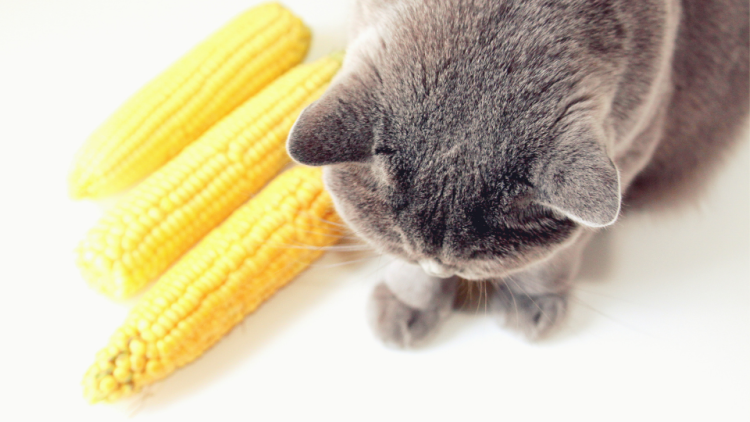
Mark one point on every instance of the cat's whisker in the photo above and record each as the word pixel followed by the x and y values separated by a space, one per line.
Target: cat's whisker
pixel 479 302
pixel 486 297
pixel 609 317
pixel 482 292
pixel 336 235
pixel 139 403
pixel 341 264
pixel 470 290
pixel 332 248
pixel 302 246
pixel 290 262
pixel 515 304
pixel 588 291
pixel 379 265
pixel 531 298
pixel 323 220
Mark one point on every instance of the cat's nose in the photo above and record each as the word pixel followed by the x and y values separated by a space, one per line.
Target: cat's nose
pixel 436 269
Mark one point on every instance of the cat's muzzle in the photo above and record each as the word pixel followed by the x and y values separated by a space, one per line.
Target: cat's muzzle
pixel 436 269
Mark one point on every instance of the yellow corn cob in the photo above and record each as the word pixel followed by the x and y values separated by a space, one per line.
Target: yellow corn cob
pixel 176 206
pixel 189 97
pixel 256 251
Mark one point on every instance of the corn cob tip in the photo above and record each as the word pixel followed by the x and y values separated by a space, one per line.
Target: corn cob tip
pixel 337 55
pixel 227 276
pixel 78 184
pixel 161 218
pixel 104 274
pixel 121 369
pixel 75 192
pixel 186 99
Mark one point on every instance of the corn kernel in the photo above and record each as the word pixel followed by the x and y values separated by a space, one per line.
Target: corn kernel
pixel 137 347
pixel 154 367
pixel 205 315
pixel 107 384
pixel 106 367
pixel 184 101
pixel 207 187
pixel 137 362
pixel 123 360
pixel 122 374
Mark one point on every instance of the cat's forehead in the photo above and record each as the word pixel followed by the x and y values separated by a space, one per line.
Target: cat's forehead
pixel 506 56
pixel 475 152
pixel 438 108
pixel 440 182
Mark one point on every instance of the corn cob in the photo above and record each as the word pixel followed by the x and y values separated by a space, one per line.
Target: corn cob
pixel 256 251
pixel 189 97
pixel 165 215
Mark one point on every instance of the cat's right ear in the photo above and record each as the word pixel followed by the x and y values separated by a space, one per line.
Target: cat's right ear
pixel 335 129
pixel 580 180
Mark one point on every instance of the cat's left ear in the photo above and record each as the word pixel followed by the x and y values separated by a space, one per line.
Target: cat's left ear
pixel 335 129
pixel 581 182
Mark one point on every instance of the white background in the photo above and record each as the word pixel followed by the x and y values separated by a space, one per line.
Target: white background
pixel 659 329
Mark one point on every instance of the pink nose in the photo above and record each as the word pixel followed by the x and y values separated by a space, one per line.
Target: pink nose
pixel 435 269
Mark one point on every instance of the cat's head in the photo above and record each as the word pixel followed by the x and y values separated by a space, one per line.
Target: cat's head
pixel 470 159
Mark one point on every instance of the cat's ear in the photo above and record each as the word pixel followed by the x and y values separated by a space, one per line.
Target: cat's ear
pixel 581 182
pixel 335 129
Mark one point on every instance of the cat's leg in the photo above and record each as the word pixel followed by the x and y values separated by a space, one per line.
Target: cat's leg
pixel 409 305
pixel 533 315
pixel 535 301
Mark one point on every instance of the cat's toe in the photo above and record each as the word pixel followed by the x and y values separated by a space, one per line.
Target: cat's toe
pixel 535 316
pixel 397 324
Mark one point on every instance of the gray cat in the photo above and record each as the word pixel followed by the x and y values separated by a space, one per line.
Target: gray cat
pixel 487 140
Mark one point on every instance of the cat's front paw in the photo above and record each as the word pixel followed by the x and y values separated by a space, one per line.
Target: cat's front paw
pixel 398 324
pixel 534 316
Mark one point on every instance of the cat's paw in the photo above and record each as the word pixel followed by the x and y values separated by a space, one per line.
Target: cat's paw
pixel 398 324
pixel 534 316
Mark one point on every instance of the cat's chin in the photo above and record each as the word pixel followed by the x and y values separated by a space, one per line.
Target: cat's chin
pixel 469 274
pixel 472 276
pixel 479 276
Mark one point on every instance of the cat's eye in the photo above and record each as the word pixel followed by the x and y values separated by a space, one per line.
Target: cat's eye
pixel 384 150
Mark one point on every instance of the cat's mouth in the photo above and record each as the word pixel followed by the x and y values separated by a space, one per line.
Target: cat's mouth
pixel 436 269
pixel 476 275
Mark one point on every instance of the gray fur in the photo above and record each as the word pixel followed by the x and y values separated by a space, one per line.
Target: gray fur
pixel 488 139
pixel 406 308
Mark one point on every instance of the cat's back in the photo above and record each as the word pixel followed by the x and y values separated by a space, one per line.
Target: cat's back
pixel 709 104
pixel 709 100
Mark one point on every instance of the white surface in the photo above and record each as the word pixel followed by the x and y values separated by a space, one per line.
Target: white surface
pixel 660 329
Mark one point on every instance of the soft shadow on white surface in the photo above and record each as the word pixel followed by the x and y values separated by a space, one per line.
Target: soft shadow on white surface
pixel 249 338
pixel 598 257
